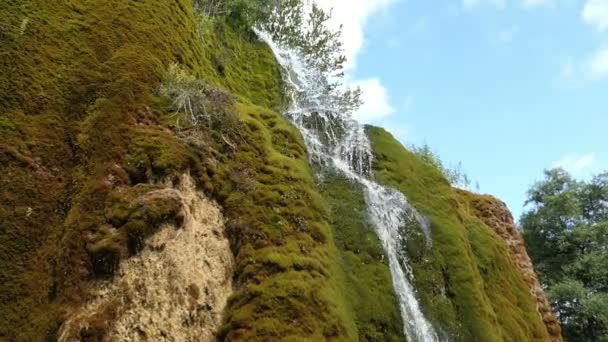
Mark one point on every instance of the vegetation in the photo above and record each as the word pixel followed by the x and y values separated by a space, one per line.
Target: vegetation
pixel 368 285
pixel 244 14
pixel 455 175
pixel 99 135
pixel 301 26
pixel 467 282
pixel 566 234
pixel 102 101
pixel 193 97
pixel 78 99
pixel 75 92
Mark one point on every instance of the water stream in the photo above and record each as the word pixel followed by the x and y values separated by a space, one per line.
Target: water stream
pixel 334 139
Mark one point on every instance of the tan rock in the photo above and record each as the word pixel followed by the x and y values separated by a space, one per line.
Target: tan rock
pixel 175 289
pixel 496 215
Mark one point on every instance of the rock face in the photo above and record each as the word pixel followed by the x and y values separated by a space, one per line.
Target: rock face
pixel 175 289
pixel 93 248
pixel 496 215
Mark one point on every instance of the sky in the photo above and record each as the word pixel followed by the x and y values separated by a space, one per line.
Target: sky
pixel 506 87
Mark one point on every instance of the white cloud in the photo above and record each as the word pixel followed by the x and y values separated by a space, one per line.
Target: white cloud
pixel 376 104
pixel 353 16
pixel 595 13
pixel 592 68
pixel 502 4
pixel 597 65
pixel 577 165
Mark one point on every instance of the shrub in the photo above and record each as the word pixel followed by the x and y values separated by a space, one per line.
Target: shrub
pixel 455 174
pixel 201 103
pixel 301 26
pixel 242 13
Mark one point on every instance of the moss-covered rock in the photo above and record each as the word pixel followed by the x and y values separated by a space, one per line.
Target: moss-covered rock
pixel 86 137
pixel 469 285
pixel 86 140
pixel 368 283
pixel 286 263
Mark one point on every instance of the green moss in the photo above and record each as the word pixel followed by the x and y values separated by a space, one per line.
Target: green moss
pixel 155 155
pixel 82 118
pixel 77 96
pixel 240 63
pixel 469 285
pixel 368 283
pixel 287 265
pixel 83 128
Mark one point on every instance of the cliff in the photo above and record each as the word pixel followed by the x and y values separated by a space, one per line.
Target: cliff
pixel 471 281
pixel 495 214
pixel 110 208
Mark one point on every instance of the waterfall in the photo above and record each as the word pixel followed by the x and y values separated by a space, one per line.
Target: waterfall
pixel 334 139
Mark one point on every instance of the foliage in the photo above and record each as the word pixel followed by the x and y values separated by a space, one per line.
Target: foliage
pixel 566 233
pixel 83 127
pixel 368 285
pixel 201 102
pixel 75 86
pixel 294 23
pixel 583 313
pixel 455 175
pixel 468 283
pixel 305 29
pixel 242 13
pixel 302 27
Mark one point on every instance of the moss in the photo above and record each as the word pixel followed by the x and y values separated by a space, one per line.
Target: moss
pixel 76 87
pixel 155 155
pixel 486 298
pixel 106 247
pixel 84 134
pixel 287 265
pixel 136 214
pixel 368 284
pixel 240 63
pixel 81 117
pixel 489 250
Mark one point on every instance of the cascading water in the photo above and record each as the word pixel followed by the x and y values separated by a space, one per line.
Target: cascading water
pixel 334 139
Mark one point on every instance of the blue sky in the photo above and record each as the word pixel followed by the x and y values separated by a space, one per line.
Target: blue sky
pixel 507 87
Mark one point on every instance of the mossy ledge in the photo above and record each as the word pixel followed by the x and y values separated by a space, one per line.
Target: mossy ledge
pixel 87 141
pixel 468 282
pixel 85 135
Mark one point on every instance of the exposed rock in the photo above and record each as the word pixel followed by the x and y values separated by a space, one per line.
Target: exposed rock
pixel 175 289
pixel 496 215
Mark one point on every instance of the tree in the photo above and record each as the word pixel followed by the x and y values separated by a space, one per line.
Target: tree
pixel 243 13
pixel 302 26
pixel 566 234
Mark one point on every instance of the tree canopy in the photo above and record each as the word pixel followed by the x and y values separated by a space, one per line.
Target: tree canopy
pixel 566 234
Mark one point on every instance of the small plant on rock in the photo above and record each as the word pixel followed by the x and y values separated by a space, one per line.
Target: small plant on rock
pixel 202 104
